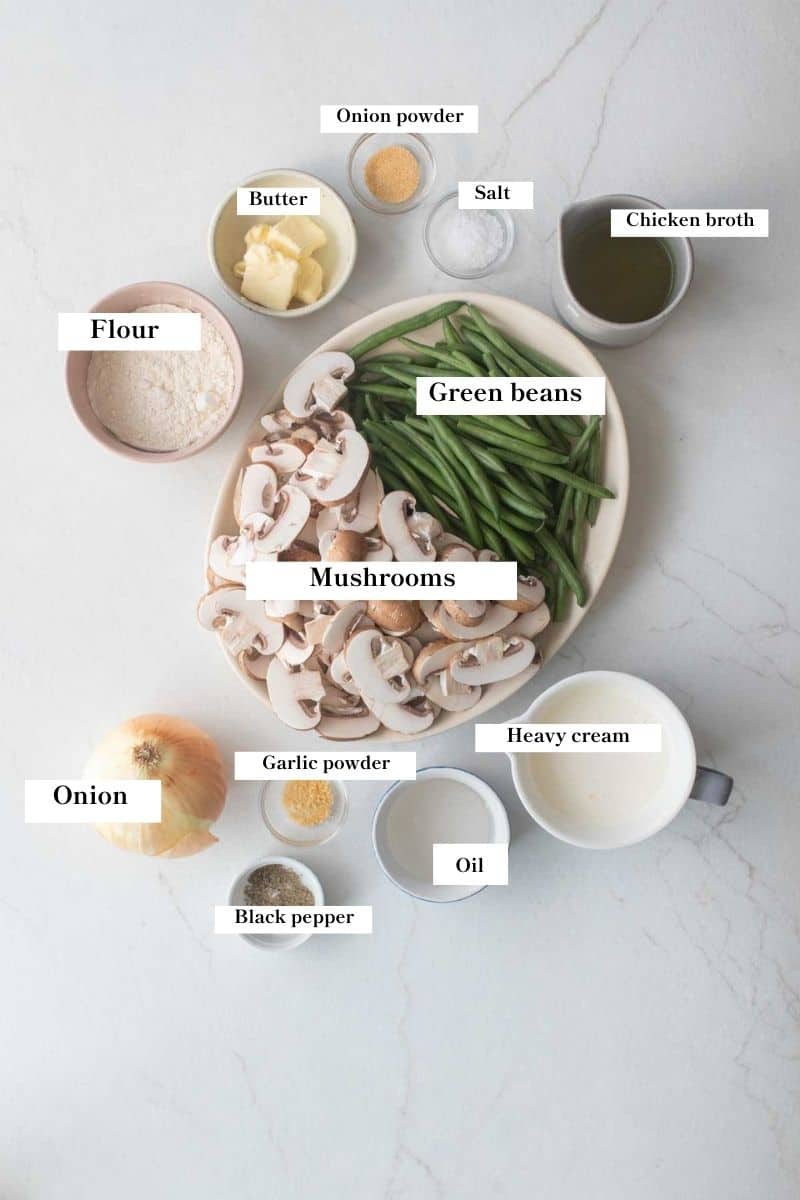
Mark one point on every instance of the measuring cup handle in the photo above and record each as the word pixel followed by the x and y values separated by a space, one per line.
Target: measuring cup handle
pixel 711 786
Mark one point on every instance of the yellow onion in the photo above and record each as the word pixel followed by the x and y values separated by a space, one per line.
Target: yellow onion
pixel 193 784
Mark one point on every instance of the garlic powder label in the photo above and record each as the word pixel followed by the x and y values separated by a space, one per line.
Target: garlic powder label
pixel 325 764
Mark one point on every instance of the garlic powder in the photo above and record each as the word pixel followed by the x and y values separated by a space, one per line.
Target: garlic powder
pixel 162 399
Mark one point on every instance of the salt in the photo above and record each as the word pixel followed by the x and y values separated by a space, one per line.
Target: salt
pixel 466 241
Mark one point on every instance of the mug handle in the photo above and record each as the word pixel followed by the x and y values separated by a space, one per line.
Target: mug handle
pixel 711 786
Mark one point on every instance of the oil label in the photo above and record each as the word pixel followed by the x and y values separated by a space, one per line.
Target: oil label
pixel 470 862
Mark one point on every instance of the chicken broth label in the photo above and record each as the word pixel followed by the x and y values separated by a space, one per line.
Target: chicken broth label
pixel 489 193
pixel 690 222
pixel 324 764
pixel 292 918
pixel 457 396
pixel 569 738
pixel 130 331
pixel 263 201
pixel 92 802
pixel 413 118
pixel 417 580
pixel 470 862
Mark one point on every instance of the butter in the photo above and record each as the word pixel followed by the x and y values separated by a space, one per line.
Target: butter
pixel 308 285
pixel 269 277
pixel 296 236
pixel 256 235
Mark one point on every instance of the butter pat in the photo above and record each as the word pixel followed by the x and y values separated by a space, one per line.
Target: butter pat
pixel 308 286
pixel 256 235
pixel 269 277
pixel 296 236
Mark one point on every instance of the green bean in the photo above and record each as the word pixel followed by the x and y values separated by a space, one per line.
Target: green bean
pixel 578 540
pixel 583 441
pixel 517 427
pixel 504 441
pixel 388 474
pixel 576 481
pixel 559 556
pixel 564 514
pixel 429 317
pixel 451 481
pixel 388 438
pixel 414 483
pixel 384 358
pixel 400 375
pixel 450 335
pixel 571 426
pixel 554 435
pixel 527 506
pixel 559 605
pixel 422 350
pixel 372 410
pixel 483 344
pixel 386 389
pixel 593 472
pixel 493 335
pixel 463 459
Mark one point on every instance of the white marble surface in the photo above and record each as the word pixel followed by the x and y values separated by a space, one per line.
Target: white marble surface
pixel 613 1025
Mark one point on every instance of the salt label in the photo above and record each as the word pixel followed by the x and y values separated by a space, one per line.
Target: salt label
pixel 495 194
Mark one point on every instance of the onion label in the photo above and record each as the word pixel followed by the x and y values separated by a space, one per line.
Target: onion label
pixel 92 802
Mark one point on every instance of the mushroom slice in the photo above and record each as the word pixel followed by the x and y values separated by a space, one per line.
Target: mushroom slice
pixel 497 617
pixel 284 457
pixel 291 511
pixel 296 649
pixel 254 664
pixel 426 632
pixel 341 626
pixel 319 382
pixel 349 726
pixel 360 512
pixel 333 471
pixel 279 610
pixel 492 659
pixel 241 623
pixel 409 533
pixel 488 556
pixel 340 675
pixel 378 666
pixel 342 546
pixel 433 658
pixel 255 490
pixel 395 616
pixel 221 562
pixel 299 551
pixel 530 624
pixel 454 550
pixel 329 424
pixel 377 550
pixel 459 697
pixel 278 424
pixel 530 594
pixel 466 612
pixel 295 694
pixel 413 715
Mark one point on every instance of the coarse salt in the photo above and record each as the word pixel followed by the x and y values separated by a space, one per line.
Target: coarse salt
pixel 466 240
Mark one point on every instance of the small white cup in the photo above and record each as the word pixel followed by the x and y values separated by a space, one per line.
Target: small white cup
pixel 587 324
pixel 684 779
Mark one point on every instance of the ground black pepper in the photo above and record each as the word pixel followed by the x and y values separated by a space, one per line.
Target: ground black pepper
pixel 276 885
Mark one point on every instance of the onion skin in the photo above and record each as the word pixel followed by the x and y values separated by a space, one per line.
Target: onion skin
pixel 193 783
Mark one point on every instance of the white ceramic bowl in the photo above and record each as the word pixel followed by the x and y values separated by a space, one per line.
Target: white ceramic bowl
pixel 422 889
pixel 276 941
pixel 226 240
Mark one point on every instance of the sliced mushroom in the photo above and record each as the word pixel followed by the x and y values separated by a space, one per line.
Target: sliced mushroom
pixel 333 471
pixel 378 666
pixel 454 550
pixel 254 664
pixel 296 649
pixel 342 546
pixel 255 490
pixel 277 425
pixel 395 616
pixel 488 556
pixel 279 610
pixel 299 551
pixel 433 658
pixel 241 623
pixel 497 617
pixel 328 424
pixel 290 514
pixel 426 632
pixel 285 457
pixel 466 612
pixel 530 624
pixel 295 694
pixel 339 672
pixel 413 715
pixel 221 563
pixel 319 382
pixel 359 514
pixel 251 543
pixel 492 659
pixel 341 626
pixel 530 594
pixel 409 533
pixel 459 697
pixel 350 726
pixel 376 550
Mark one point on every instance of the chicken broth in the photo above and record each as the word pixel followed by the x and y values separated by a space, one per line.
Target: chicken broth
pixel 621 279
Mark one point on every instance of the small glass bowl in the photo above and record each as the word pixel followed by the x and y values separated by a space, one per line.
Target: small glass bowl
pixel 281 825
pixel 369 144
pixel 429 237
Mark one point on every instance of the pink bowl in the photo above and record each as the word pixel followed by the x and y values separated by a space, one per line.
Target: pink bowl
pixel 126 299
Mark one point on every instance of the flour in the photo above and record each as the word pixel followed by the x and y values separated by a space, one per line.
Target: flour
pixel 162 399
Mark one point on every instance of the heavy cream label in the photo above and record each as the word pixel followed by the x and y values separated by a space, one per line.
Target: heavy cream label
pixel 324 764
pixel 568 738
pixel 443 395
pixel 92 802
pixel 292 918
pixel 421 118
pixel 269 201
pixel 130 331
pixel 489 193
pixel 380 580
pixel 690 222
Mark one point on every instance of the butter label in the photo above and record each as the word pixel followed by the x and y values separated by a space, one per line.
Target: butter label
pixel 92 802
pixel 495 194
pixel 324 764
pixel 260 202
pixel 690 222
pixel 457 396
pixel 130 331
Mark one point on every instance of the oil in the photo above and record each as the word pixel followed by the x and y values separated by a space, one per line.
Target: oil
pixel 622 279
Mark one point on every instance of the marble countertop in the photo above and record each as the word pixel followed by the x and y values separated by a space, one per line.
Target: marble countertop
pixel 612 1025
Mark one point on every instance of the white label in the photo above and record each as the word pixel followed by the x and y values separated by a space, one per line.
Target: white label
pixel 381 580
pixel 439 118
pixel 470 862
pixel 129 331
pixel 258 202
pixel 690 222
pixel 292 918
pixel 92 802
pixel 487 193
pixel 324 764
pixel 568 738
pixel 445 395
